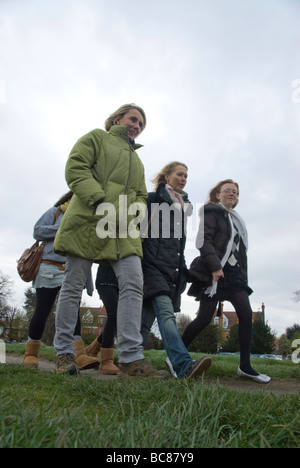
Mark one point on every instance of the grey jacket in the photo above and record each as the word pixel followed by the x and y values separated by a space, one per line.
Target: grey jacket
pixel 45 230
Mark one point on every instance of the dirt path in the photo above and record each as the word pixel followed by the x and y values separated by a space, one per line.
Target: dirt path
pixel 277 386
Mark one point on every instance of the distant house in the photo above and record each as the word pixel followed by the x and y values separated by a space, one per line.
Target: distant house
pixel 93 320
pixel 228 319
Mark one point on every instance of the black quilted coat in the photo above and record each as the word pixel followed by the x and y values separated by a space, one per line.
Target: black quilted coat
pixel 163 263
pixel 217 233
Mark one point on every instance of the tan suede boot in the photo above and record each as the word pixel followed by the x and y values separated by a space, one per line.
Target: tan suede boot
pixel 82 360
pixel 31 353
pixel 107 362
pixel 93 349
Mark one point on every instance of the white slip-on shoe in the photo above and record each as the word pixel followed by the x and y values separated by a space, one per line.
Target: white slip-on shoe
pixel 260 378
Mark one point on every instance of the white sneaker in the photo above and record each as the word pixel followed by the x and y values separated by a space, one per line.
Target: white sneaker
pixel 260 378
pixel 171 368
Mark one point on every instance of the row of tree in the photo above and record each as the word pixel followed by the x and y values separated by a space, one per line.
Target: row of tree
pixel 14 324
pixel 14 321
pixel 264 341
pixel 9 316
pixel 209 340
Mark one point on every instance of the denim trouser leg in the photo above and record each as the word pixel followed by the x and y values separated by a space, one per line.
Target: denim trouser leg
pixel 172 341
pixel 77 270
pixel 130 278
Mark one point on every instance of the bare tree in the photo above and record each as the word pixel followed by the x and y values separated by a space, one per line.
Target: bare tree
pixel 5 293
pixel 5 289
pixel 182 321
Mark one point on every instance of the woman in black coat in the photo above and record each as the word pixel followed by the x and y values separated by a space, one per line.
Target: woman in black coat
pixel 164 266
pixel 220 272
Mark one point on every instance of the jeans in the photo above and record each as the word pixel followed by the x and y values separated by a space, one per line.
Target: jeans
pixel 76 273
pixel 129 315
pixel 129 273
pixel 163 309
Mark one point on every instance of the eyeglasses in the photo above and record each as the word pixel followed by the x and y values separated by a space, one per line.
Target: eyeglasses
pixel 228 191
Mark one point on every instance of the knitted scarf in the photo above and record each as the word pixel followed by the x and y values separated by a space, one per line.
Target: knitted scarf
pixel 176 197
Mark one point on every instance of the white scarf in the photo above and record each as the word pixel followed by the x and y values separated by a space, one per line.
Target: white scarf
pixel 235 218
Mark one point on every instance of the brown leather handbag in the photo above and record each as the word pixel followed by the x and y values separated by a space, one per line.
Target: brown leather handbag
pixel 30 261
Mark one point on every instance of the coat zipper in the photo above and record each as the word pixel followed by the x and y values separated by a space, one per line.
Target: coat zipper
pixel 129 170
pixel 125 192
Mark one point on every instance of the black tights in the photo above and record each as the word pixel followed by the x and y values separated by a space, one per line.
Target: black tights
pixel 240 302
pixel 45 298
pixel 110 297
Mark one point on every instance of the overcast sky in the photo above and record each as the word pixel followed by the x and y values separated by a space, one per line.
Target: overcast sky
pixel 220 83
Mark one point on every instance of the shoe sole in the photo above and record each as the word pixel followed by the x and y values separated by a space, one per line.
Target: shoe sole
pixel 73 370
pixel 261 378
pixel 142 374
pixel 141 369
pixel 203 366
pixel 92 365
pixel 126 375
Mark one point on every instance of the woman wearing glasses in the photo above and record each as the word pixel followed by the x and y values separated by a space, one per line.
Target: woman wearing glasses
pixel 220 272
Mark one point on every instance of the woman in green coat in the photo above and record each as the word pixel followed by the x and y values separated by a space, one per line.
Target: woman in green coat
pixel 101 225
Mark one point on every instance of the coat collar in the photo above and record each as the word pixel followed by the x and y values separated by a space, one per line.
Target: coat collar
pixel 122 132
pixel 163 195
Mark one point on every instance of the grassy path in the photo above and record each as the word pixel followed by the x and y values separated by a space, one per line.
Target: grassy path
pixel 40 409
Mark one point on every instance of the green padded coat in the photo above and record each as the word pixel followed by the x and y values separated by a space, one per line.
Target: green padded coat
pixel 107 179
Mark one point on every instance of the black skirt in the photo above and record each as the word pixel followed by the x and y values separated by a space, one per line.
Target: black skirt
pixel 232 283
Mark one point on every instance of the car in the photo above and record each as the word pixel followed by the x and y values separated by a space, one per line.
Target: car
pixel 270 356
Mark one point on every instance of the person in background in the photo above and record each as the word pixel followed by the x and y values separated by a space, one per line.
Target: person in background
pixel 220 272
pixel 108 290
pixel 107 179
pixel 48 284
pixel 164 267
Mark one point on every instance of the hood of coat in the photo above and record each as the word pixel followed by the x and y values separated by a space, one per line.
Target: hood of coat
pixel 214 207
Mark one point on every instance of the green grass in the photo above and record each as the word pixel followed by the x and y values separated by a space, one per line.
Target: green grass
pixel 44 410
pixel 46 352
pixel 223 366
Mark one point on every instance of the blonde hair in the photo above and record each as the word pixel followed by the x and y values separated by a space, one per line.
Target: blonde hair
pixel 217 189
pixel 110 121
pixel 166 171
